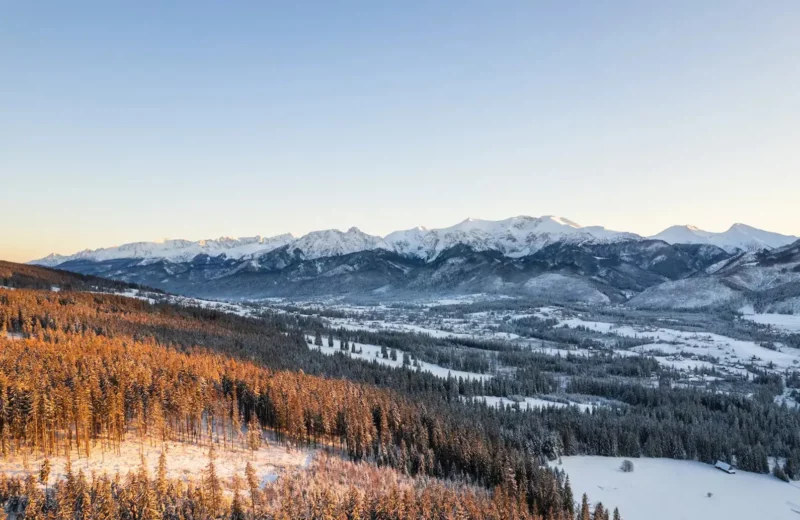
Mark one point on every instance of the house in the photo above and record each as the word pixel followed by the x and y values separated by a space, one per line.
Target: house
pixel 724 466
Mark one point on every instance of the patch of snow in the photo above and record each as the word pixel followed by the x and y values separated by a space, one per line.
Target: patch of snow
pixel 730 352
pixel 185 461
pixel 666 489
pixel 373 353
pixel 531 403
pixel 783 322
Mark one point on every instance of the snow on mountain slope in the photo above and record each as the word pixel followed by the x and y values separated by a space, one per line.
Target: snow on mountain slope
pixel 514 237
pixel 737 237
pixel 687 294
pixel 332 242
pixel 176 250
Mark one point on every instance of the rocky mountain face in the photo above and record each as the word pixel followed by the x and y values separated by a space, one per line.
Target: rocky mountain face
pixel 576 272
pixel 767 279
pixel 551 258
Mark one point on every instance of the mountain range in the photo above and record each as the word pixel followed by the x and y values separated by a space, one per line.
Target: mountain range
pixel 548 257
pixel 513 237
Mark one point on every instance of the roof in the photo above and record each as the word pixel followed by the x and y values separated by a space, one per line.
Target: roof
pixel 723 465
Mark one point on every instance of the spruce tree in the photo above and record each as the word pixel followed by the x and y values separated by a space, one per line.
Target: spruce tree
pixel 599 512
pixel 252 485
pixel 212 486
pixel 44 473
pixel 253 434
pixel 585 515
pixel 569 499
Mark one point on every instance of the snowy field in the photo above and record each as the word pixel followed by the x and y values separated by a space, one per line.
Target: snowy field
pixel 185 461
pixel 729 351
pixel 789 323
pixel 531 403
pixel 373 353
pixel 666 489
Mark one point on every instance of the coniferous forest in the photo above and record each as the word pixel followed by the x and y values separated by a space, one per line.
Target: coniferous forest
pixel 83 371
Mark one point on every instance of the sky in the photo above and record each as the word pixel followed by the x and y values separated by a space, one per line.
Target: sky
pixel 136 121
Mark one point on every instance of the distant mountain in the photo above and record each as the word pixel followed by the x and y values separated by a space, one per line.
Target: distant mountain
pixel 174 250
pixel 514 237
pixel 548 257
pixel 769 279
pixel 739 237
pixel 592 272
pixel 332 242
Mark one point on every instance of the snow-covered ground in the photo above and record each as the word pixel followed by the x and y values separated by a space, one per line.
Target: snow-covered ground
pixel 185 301
pixel 531 403
pixel 729 351
pixel 185 461
pixel 373 353
pixel 782 322
pixel 665 489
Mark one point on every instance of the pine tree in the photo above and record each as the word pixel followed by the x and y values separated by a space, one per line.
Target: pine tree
pixel 585 515
pixel 33 511
pixel 212 486
pixel 318 338
pixel 616 514
pixel 252 485
pixel 44 473
pixel 599 512
pixel 104 507
pixel 237 510
pixel 161 475
pixel 569 498
pixel 254 433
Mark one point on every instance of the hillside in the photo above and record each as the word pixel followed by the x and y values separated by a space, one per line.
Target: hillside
pixel 85 373
pixel 601 271
pixel 381 412
pixel 766 279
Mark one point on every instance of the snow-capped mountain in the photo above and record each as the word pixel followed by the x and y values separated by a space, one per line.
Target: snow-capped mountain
pixel 737 237
pixel 176 250
pixel 332 242
pixel 514 237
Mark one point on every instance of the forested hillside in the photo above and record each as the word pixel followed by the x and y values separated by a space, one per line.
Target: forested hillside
pixel 81 372
pixel 86 372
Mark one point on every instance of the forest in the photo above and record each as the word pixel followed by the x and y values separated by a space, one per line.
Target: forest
pixel 93 369
pixel 85 371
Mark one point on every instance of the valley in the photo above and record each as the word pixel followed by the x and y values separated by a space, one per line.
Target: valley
pixel 571 355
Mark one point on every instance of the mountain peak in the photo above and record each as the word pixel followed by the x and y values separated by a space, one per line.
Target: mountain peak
pixel 738 237
pixel 513 237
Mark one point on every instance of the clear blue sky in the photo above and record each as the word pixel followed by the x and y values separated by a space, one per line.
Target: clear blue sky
pixel 126 121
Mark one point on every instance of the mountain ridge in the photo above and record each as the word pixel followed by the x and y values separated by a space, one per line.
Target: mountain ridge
pixel 514 237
